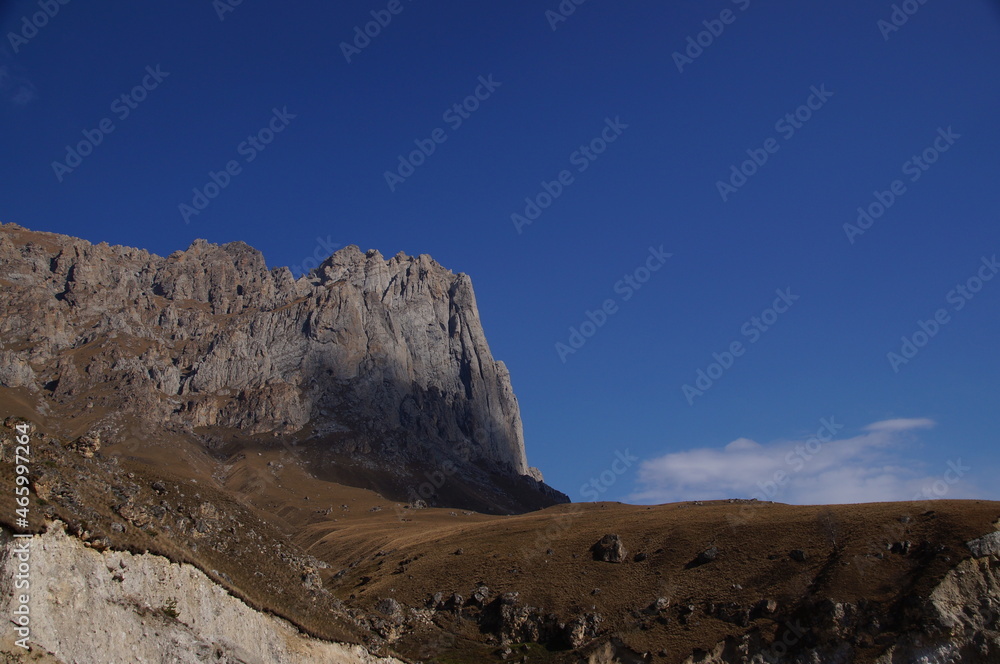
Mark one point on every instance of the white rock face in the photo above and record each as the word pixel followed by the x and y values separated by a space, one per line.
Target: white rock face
pixel 391 345
pixel 987 545
pixel 108 608
pixel 383 360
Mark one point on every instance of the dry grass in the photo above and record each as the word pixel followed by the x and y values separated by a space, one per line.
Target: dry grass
pixel 267 502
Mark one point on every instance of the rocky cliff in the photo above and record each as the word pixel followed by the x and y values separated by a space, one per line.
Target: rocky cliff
pixel 366 362
pixel 120 608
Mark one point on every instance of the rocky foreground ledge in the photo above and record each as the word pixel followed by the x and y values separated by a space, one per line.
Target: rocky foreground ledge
pixel 90 605
pixel 120 608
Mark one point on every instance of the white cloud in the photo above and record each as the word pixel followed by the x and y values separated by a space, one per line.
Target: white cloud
pixel 742 444
pixel 24 95
pixel 18 89
pixel 901 424
pixel 821 469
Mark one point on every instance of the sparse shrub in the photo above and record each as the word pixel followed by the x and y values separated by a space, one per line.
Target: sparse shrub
pixel 169 608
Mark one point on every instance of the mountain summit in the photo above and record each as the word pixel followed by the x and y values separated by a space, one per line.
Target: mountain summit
pixel 375 371
pixel 227 463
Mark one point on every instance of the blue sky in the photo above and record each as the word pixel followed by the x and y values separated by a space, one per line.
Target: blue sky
pixel 738 137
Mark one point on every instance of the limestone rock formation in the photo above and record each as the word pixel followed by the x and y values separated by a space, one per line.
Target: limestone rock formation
pixel 958 622
pixel 609 549
pixel 987 545
pixel 121 608
pixel 380 362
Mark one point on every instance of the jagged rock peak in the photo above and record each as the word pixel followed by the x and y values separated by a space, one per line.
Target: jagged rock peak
pixel 380 354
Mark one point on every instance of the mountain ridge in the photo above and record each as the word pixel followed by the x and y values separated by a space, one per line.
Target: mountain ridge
pixel 368 359
pixel 299 445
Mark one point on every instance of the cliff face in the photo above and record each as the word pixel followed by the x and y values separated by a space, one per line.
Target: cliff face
pixel 380 361
pixel 958 622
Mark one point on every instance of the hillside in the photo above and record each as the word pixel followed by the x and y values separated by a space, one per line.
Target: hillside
pixel 230 465
pixel 696 582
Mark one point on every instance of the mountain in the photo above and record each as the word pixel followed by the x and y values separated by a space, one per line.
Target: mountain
pixel 377 371
pixel 215 462
pixel 158 567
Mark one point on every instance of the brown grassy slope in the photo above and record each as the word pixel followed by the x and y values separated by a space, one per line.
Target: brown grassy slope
pixel 376 549
pixel 842 546
pixel 411 554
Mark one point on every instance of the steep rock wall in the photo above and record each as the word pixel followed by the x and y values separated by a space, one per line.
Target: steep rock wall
pixel 371 355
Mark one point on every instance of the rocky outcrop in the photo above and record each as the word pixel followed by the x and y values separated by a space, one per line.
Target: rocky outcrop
pixel 959 621
pixel 380 360
pixel 609 549
pixel 120 608
pixel 987 545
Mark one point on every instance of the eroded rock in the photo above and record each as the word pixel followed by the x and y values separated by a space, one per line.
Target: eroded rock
pixel 378 357
pixel 987 545
pixel 609 549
